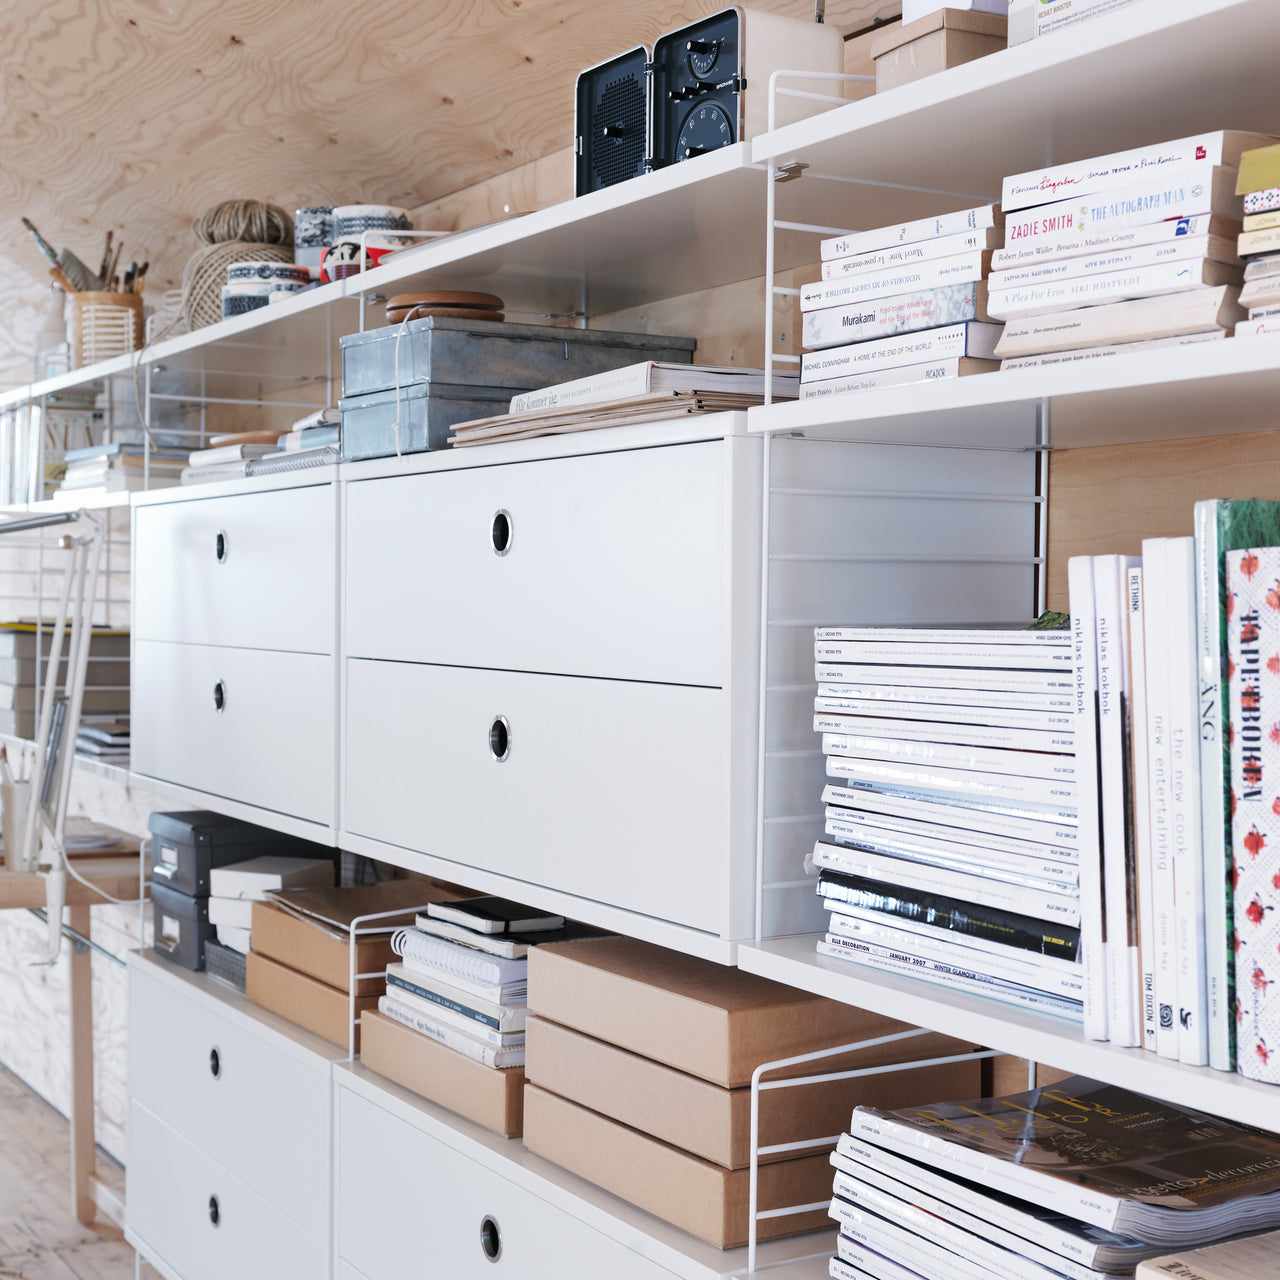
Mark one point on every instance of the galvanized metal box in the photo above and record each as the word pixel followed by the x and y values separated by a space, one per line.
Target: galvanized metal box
pixel 487 353
pixel 427 411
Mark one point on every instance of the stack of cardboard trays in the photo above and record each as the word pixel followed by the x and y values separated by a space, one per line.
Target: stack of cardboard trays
pixel 300 964
pixel 639 1064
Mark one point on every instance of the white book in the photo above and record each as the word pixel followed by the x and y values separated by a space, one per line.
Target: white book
pixel 903 376
pixel 1175 249
pixel 957 977
pixel 435 1029
pixel 649 376
pixel 1111 630
pixel 1042 657
pixel 1122 168
pixel 1156 645
pixel 932 713
pixel 974 339
pixel 908 278
pixel 908 637
pixel 1027 764
pixel 944 224
pixel 859 1261
pixel 1073 247
pixel 229 453
pixel 1088 354
pixel 1141 779
pixel 977 735
pixel 943 699
pixel 1022 824
pixel 943 677
pixel 1093 291
pixel 994 787
pixel 898 313
pixel 235 913
pixel 1184 790
pixel 457 1021
pixel 510 993
pixel 1266 327
pixel 1187 193
pixel 900 255
pixel 1093 925
pixel 1264 313
pixel 256 877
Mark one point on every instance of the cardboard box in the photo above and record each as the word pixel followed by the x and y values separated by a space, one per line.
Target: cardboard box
pixel 314 1006
pixel 305 930
pixel 695 1195
pixel 859 62
pixel 709 1020
pixel 490 1097
pixel 713 1122
pixel 945 38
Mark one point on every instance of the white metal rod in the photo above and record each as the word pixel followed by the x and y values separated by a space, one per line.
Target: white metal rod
pixel 912 495
pixel 807 557
pixel 814 228
pixel 790 1213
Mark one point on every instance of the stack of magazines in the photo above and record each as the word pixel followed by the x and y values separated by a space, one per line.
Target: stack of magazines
pixel 1080 1179
pixel 951 840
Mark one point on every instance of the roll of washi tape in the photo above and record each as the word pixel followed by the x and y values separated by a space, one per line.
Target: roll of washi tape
pixel 343 259
pixel 268 272
pixel 240 301
pixel 352 219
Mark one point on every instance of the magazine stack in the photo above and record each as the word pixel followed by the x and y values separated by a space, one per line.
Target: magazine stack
pixel 950 849
pixel 1079 1179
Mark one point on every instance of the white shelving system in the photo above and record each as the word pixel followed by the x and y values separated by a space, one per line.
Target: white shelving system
pixel 1150 72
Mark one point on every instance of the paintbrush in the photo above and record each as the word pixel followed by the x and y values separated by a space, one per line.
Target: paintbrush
pixel 61 277
pixel 81 277
pixel 106 254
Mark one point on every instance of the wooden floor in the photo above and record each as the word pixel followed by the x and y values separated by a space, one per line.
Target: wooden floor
pixel 39 1236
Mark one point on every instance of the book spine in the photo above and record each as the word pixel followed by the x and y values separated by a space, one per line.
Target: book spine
pixel 1140 781
pixel 873 353
pixel 905 375
pixel 455 1040
pixel 1049 358
pixel 1104 173
pixel 1156 626
pixel 1184 790
pixel 1263 201
pixel 1261 328
pixel 957 977
pixel 1252 222
pixel 1029 764
pixel 1093 920
pixel 908 637
pixel 1194 311
pixel 485 1019
pixel 617 384
pixel 1008 927
pixel 1255 242
pixel 1092 291
pixel 971 735
pixel 945 653
pixel 903 313
pixel 1179 249
pixel 944 224
pixel 957 713
pixel 902 255
pixel 932 273
pixel 1075 247
pixel 1050 902
pixel 995 787
pixel 942 677
pixel 490 992
pixel 1020 969
pixel 1191 192
pixel 1253 646
pixel 859 1228
pixel 886 696
pixel 1215 779
pixel 1261 293
pixel 458 1022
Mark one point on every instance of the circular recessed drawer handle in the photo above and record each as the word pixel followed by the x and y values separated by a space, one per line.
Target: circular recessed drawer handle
pixel 215 1062
pixel 491 1237
pixel 215 1213
pixel 502 531
pixel 220 546
pixel 499 739
pixel 220 696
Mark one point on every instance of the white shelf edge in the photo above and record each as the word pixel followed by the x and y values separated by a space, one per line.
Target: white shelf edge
pixel 1039 1037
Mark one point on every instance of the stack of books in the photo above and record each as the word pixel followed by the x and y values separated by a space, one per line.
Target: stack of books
pixel 224 462
pixel 1080 1179
pixel 107 741
pixel 1132 248
pixel 119 468
pixel 951 821
pixel 462 978
pixel 901 304
pixel 1259 243
pixel 313 441
pixel 106 694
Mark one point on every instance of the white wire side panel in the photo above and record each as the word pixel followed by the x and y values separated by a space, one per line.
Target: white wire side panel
pixel 869 534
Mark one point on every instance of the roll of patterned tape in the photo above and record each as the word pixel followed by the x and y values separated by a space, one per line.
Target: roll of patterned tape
pixel 268 273
pixel 352 219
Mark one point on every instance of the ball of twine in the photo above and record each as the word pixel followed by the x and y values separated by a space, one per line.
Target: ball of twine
pixel 250 220
pixel 206 273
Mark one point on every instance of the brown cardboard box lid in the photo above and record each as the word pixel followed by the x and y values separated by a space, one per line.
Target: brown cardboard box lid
pixel 715 1022
pixel 983 24
pixel 713 1122
pixel 491 1097
pixel 698 1197
pixel 312 1005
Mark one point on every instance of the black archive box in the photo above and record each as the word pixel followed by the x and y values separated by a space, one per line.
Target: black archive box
pixel 181 926
pixel 187 845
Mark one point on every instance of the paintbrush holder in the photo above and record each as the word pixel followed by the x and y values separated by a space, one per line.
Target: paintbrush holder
pixel 102 325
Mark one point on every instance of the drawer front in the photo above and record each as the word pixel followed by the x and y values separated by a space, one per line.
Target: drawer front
pixel 255 570
pixel 253 1108
pixel 272 742
pixel 611 565
pixel 610 790
pixel 406 1200
pixel 172 1188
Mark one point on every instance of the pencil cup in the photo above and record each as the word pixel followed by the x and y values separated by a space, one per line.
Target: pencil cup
pixel 104 325
pixel 13 822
